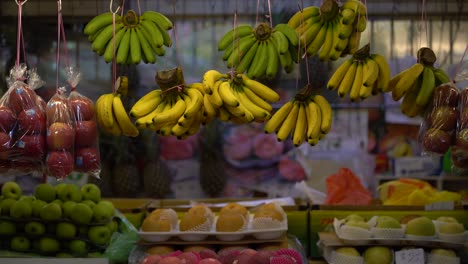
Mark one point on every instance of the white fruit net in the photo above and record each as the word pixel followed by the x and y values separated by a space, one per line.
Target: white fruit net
pixel 437 259
pixel 338 258
pixel 388 233
pixel 171 215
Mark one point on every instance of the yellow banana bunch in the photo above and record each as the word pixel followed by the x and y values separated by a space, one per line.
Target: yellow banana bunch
pixel 330 31
pixel 260 51
pixel 112 116
pixel 416 84
pixel 176 112
pixel 306 118
pixel 137 38
pixel 361 76
pixel 236 98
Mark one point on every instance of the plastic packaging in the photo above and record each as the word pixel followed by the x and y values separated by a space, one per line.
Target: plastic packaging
pixel 86 152
pixel 459 151
pixel 440 122
pixel 344 187
pixel 60 135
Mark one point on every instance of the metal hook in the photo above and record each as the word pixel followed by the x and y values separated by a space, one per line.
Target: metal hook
pixel 110 7
pixel 20 2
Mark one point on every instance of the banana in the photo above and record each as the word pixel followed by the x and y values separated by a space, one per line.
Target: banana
pixel 158 18
pixel 295 53
pixel 100 42
pixel 167 41
pixel 357 6
pixel 427 87
pixel 240 50
pixel 310 34
pixel 288 124
pixel 327 47
pixel 135 47
pixel 146 104
pixel 125 124
pixel 258 66
pixel 314 120
pixel 172 114
pixel 384 72
pixel 290 34
pixel 247 58
pixel 326 111
pixel 306 24
pixel 371 72
pixel 409 100
pixel 278 117
pixel 299 17
pixel 124 48
pixel 104 110
pixel 313 141
pixel 147 120
pixel 281 41
pixel 317 42
pixel 195 126
pixel 99 22
pixel 178 130
pixel 300 130
pixel 196 103
pixel 361 23
pixel 145 47
pixel 348 80
pixel 341 45
pixel 348 16
pixel 223 114
pixel 440 76
pixel 214 97
pixel 357 83
pixel 233 34
pixel 257 100
pixel 287 62
pixel 227 95
pixel 354 41
pixel 273 60
pixel 209 79
pixel 403 81
pixel 208 110
pixel 111 48
pixel 260 89
pixel 339 74
pixel 93 36
pixel 259 113
pixel 345 31
pixel 152 33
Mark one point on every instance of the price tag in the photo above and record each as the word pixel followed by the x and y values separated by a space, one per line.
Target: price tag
pixel 440 206
pixel 410 256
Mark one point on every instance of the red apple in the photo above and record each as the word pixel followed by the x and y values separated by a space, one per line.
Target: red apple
pixel 86 133
pixel 462 139
pixel 436 140
pixel 87 159
pixel 60 136
pixel 5 165
pixel 21 98
pixel 444 118
pixel 32 146
pixel 7 119
pixel 459 157
pixel 32 121
pixel 59 163
pixel 58 109
pixel 26 165
pixel 446 95
pixel 463 119
pixel 41 103
pixel 83 108
pixel 5 142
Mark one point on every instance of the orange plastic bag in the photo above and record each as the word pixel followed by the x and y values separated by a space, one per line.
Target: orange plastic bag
pixel 345 188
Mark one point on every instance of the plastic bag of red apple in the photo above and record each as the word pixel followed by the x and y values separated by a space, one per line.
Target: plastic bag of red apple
pixel 22 124
pixel 459 151
pixel 437 131
pixel 60 135
pixel 87 157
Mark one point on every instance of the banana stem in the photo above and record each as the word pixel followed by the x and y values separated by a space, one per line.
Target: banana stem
pixel 426 56
pixel 329 10
pixel 131 19
pixel 170 79
pixel 304 94
pixel 262 31
pixel 362 53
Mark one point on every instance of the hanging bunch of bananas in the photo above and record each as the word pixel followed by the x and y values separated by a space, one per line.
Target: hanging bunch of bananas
pixel 173 110
pixel 111 115
pixel 361 76
pixel 329 30
pixel 417 83
pixel 261 51
pixel 137 38
pixel 306 118
pixel 236 98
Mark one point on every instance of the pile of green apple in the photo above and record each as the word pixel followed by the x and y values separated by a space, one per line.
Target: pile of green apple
pixel 371 255
pixel 61 219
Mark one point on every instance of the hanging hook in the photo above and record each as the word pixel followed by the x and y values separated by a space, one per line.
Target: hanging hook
pixel 19 2
pixel 110 7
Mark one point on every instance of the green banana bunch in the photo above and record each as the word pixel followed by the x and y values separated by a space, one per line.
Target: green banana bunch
pixel 236 98
pixel 137 38
pixel 361 76
pixel 330 31
pixel 417 83
pixel 306 118
pixel 261 51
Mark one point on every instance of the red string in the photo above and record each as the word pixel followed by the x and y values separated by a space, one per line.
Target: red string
pixel 114 64
pixel 24 47
pixel 122 10
pixel 457 71
pixel 234 39
pixel 18 36
pixel 423 23
pixel 269 13
pixel 174 31
pixel 258 9
pixel 64 39
pixel 139 7
pixel 57 59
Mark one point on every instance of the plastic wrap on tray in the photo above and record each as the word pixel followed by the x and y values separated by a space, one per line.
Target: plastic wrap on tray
pixel 86 151
pixel 459 151
pixel 22 124
pixel 440 122
pixel 60 135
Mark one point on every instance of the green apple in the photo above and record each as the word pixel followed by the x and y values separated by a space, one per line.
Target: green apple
pixel 91 192
pixel 11 190
pixel 136 219
pixel 102 212
pixel 29 199
pixel 21 209
pixel 49 245
pixel 420 226
pixel 82 214
pixel 37 206
pixel 349 251
pixel 20 243
pixel 354 217
pixel 359 224
pixel 67 208
pixel 70 192
pixel 443 252
pixel 65 230
pixel 78 247
pixel 83 231
pixel 35 228
pixel 51 212
pixel 7 227
pixel 57 201
pixel 451 228
pixel 45 192
pixel 109 204
pixel 378 255
pixel 387 222
pixel 99 235
pixel 447 219
pixel 95 255
pixel 59 186
pixel 113 226
pixel 6 205
pixel 64 255
pixel 90 203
